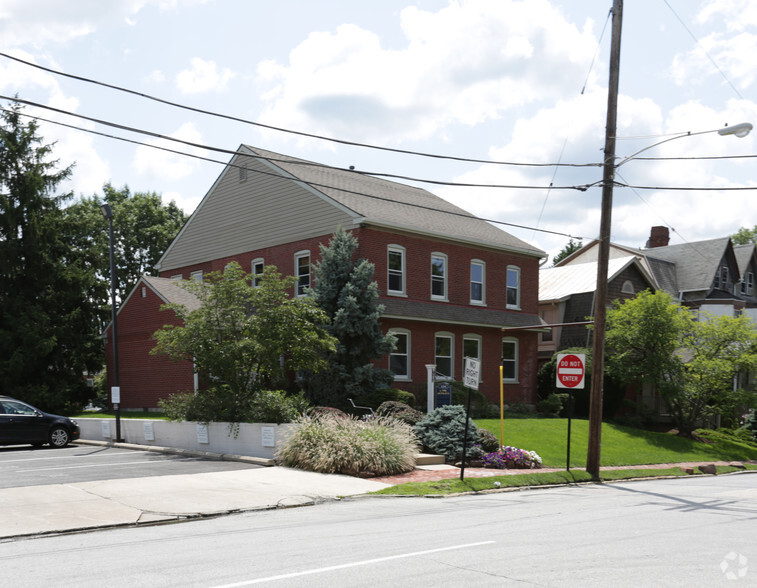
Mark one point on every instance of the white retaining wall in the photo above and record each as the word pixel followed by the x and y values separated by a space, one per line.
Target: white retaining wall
pixel 252 439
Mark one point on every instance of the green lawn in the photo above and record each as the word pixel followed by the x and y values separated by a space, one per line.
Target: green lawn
pixel 620 445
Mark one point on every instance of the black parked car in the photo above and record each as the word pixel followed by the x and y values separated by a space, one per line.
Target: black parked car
pixel 21 424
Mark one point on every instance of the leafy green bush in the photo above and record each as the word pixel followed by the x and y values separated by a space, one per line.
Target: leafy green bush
pixel 551 406
pixel 333 445
pixel 441 431
pixel 750 423
pixel 221 405
pixel 377 398
pixel 399 411
pixel 488 441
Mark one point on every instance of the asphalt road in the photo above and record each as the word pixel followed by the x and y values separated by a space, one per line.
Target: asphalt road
pixel 25 466
pixel 678 532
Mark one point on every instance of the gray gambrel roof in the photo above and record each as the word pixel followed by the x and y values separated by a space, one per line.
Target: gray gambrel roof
pixel 396 206
pixel 696 263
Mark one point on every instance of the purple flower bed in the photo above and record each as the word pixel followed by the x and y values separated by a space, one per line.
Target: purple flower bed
pixel 512 458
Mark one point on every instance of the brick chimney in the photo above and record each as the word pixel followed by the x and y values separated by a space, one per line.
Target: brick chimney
pixel 658 237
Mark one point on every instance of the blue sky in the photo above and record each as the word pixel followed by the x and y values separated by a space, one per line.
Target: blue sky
pixel 482 79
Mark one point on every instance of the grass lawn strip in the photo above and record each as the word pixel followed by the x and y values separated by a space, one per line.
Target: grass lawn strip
pixel 475 485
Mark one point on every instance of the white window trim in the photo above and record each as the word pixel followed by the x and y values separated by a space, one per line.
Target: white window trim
pixel 445 278
pixel 196 276
pixel 403 252
pixel 516 360
pixel 478 339
pixel 297 256
pixel 515 306
pixel 627 287
pixel 481 302
pixel 407 377
pixel 177 277
pixel 451 337
pixel 253 263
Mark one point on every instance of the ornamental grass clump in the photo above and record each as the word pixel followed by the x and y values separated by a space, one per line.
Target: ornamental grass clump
pixel 350 446
pixel 512 458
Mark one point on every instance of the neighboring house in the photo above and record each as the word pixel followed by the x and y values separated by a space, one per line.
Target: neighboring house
pixel 450 283
pixel 711 276
pixel 566 297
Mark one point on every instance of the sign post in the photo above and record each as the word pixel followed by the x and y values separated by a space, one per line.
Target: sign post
pixel 470 381
pixel 570 373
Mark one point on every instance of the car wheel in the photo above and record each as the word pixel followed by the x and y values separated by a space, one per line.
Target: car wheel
pixel 59 437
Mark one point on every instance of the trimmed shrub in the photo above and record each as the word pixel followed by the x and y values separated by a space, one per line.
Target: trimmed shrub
pixel 325 411
pixel 488 440
pixel 333 445
pixel 551 406
pixel 377 398
pixel 441 431
pixel 221 405
pixel 400 411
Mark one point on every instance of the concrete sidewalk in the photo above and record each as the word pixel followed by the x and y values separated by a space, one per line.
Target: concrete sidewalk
pixel 109 503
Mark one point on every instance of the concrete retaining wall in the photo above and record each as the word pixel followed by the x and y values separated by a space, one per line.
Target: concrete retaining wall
pixel 252 439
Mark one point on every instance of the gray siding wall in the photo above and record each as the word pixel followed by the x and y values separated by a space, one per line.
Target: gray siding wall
pixel 262 211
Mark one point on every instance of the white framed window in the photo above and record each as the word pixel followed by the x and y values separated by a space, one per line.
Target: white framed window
pixel 471 348
pixel 477 282
pixel 444 348
pixel 177 277
pixel 196 276
pixel 395 279
pixel 509 360
pixel 721 278
pixel 439 276
pixel 627 287
pixel 747 286
pixel 302 271
pixel 512 291
pixel 256 269
pixel 399 359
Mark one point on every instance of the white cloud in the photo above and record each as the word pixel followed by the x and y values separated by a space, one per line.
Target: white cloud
pixel 203 76
pixel 155 163
pixel 465 64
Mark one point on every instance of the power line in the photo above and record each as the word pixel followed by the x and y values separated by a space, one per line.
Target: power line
pixel 312 184
pixel 283 130
pixel 274 160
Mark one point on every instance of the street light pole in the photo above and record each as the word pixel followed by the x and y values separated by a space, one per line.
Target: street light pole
pixel 115 389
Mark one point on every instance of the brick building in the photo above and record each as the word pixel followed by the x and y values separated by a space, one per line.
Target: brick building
pixel 450 282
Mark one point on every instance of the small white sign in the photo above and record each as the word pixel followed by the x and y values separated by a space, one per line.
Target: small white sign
pixel 105 426
pixel 472 373
pixel 202 433
pixel 149 431
pixel 268 435
pixel 115 394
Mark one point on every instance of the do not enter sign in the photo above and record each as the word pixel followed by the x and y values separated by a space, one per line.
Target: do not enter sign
pixel 570 370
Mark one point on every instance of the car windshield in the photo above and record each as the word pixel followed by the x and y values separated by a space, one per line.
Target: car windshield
pixel 11 407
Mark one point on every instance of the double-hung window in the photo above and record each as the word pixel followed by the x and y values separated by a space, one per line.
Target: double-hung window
pixel 747 286
pixel 257 271
pixel 444 348
pixel 513 287
pixel 302 271
pixel 399 359
pixel 439 276
pixel 395 270
pixel 509 360
pixel 477 276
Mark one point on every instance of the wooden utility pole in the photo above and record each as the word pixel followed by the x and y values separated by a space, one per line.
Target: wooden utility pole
pixel 600 298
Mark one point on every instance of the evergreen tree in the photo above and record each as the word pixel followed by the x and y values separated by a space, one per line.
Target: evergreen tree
pixel 349 295
pixel 48 315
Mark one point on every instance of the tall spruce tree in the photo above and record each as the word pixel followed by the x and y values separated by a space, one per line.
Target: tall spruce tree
pixel 349 295
pixel 48 315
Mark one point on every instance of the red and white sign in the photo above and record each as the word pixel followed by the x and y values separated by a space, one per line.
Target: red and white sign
pixel 570 370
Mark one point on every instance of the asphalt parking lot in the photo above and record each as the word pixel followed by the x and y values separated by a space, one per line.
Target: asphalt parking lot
pixel 25 466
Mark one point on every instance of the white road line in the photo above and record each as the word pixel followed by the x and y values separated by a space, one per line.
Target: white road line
pixel 95 465
pixel 89 456
pixel 351 565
